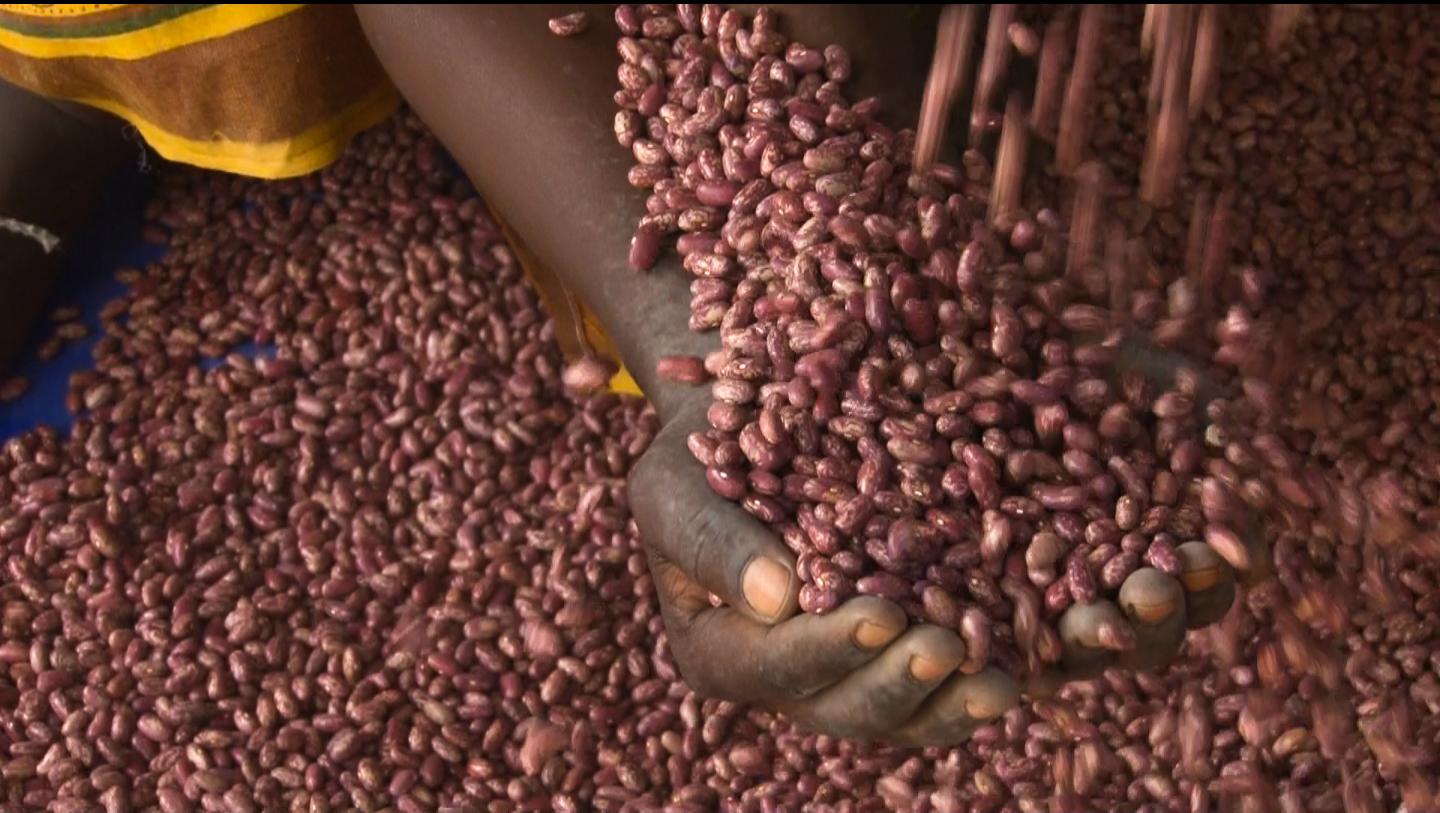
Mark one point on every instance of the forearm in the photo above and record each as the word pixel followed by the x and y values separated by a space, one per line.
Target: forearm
pixel 529 117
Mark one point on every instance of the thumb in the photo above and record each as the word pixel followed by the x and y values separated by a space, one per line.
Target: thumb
pixel 711 540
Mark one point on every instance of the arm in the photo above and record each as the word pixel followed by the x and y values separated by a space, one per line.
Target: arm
pixel 528 115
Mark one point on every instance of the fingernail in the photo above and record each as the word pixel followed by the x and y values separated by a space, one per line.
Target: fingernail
pixel 1200 579
pixel 766 585
pixel 926 670
pixel 981 708
pixel 870 635
pixel 1150 596
pixel 1153 613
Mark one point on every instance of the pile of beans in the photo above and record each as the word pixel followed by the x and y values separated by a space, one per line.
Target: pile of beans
pixel 1326 696
pixel 918 399
pixel 387 566
pixel 66 329
pixel 833 275
pixel 391 567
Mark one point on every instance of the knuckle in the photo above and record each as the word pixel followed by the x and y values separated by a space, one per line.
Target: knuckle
pixel 872 717
pixel 704 535
pixel 927 736
pixel 782 679
pixel 1226 602
pixel 670 583
pixel 706 675
pixel 853 720
pixel 645 476
pixel 654 472
pixel 847 728
pixel 701 683
pixel 695 669
pixel 690 533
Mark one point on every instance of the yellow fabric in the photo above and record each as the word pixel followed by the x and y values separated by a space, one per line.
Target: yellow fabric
pixel 178 74
pixel 622 382
pixel 210 23
pixel 313 149
pixel 58 9
pixel 54 50
pixel 577 331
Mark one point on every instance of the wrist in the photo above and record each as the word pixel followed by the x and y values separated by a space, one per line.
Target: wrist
pixel 646 317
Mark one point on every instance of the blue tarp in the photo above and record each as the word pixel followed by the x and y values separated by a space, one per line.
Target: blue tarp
pixel 87 281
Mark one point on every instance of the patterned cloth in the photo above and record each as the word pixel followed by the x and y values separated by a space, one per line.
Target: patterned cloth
pixel 270 91
pixel 264 90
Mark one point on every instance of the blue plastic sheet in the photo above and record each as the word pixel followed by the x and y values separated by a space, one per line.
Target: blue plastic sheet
pixel 87 281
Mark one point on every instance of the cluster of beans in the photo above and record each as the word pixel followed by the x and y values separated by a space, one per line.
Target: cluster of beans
pixel 1321 692
pixel 918 400
pixel 388 567
pixel 1329 148
pixel 830 359
pixel 391 566
pixel 1327 691
pixel 385 566
pixel 67 328
pixel 1358 262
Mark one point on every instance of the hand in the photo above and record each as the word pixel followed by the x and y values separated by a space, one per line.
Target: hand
pixel 856 672
pixel 861 671
pixel 1144 628
pixel 1155 607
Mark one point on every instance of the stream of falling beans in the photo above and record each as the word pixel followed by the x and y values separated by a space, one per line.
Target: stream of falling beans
pixel 1183 41
pixel 917 397
pixel 783 206
pixel 392 568
pixel 1394 542
pixel 915 393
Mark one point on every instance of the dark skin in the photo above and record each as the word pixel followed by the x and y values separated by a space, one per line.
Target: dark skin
pixel 528 115
pixel 55 160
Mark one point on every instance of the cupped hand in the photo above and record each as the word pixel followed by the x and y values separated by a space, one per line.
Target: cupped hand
pixel 859 671
pixel 1145 628
pixel 863 671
